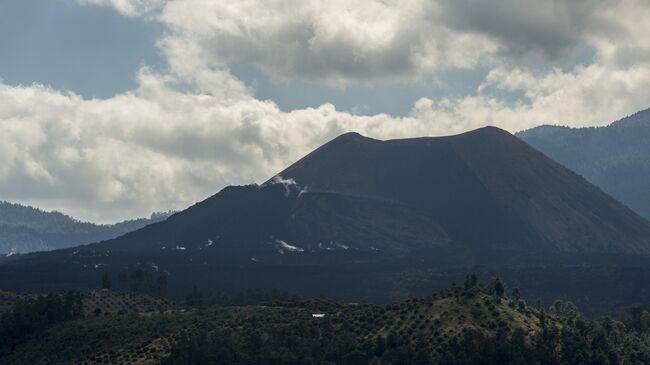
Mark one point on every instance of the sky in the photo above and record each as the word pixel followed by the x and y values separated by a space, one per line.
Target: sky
pixel 113 109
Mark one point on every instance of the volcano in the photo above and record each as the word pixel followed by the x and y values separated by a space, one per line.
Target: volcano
pixel 359 208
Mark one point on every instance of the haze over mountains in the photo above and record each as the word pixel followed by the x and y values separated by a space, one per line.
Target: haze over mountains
pixel 358 217
pixel 25 229
pixel 616 157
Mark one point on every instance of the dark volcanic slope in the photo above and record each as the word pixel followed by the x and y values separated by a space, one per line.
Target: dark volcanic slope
pixel 615 158
pixel 365 219
pixel 479 191
pixel 265 222
pixel 484 187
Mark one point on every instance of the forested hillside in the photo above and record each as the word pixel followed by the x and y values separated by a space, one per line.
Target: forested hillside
pixel 471 323
pixel 25 229
pixel 616 158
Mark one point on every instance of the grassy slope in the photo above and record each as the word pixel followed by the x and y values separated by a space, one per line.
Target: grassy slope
pixel 146 337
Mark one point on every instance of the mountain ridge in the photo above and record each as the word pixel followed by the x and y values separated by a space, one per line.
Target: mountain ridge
pixel 363 219
pixel 26 229
pixel 615 157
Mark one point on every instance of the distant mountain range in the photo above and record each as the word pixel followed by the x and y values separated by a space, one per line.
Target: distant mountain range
pixel 364 219
pixel 616 157
pixel 25 229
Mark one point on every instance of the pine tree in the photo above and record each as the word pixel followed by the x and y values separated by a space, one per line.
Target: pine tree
pixel 499 289
pixel 195 298
pixel 106 281
pixel 516 294
pixel 161 285
pixel 473 280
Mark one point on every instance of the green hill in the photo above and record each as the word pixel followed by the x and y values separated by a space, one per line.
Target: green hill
pixel 467 324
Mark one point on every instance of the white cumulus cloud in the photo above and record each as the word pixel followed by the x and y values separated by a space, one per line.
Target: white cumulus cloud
pixel 184 133
pixel 128 7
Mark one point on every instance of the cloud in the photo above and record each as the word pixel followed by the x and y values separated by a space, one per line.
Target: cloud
pixel 335 42
pixel 159 148
pixel 128 7
pixel 552 29
pixel 150 149
pixel 622 34
pixel 587 96
pixel 185 133
pixel 339 42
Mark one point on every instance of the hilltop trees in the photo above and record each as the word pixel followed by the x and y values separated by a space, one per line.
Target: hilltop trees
pixel 29 317
pixel 368 335
pixel 639 319
pixel 439 329
pixel 144 282
pixel 499 289
pixel 195 298
pixel 106 281
pixel 471 281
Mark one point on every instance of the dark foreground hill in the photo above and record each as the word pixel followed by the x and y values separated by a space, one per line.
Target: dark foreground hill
pixel 95 302
pixel 616 157
pixel 363 219
pixel 25 229
pixel 472 324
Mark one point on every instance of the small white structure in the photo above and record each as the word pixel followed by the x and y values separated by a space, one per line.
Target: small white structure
pixel 318 315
